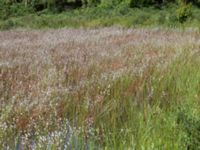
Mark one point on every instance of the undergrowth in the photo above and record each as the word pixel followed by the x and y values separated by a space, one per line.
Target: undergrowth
pixel 93 17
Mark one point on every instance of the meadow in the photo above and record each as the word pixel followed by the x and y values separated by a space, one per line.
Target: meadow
pixel 105 88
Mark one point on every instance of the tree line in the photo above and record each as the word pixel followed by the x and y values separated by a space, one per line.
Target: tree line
pixel 44 4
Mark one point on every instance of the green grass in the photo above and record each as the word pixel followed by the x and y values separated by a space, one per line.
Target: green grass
pixel 151 123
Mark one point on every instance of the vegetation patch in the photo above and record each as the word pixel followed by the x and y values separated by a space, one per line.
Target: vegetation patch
pixel 98 13
pixel 107 88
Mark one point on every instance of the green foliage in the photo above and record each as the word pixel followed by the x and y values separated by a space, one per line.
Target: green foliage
pixel 90 2
pixel 9 10
pixel 191 127
pixel 94 13
pixel 184 12
pixel 136 3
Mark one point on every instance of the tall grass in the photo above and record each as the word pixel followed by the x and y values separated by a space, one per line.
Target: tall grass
pixel 106 88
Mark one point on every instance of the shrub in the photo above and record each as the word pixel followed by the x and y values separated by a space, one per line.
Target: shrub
pixel 7 10
pixel 191 126
pixel 184 12
pixel 8 24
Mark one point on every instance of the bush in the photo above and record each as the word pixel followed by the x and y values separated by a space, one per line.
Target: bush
pixel 184 12
pixel 10 10
pixel 191 127
pixel 7 25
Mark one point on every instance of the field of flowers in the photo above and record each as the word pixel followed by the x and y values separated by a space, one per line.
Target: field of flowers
pixel 107 88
